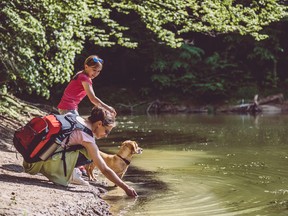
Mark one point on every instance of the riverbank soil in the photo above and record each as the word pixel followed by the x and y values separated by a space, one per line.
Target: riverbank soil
pixel 24 194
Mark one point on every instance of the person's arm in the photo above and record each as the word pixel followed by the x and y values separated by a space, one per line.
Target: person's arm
pixel 93 151
pixel 95 100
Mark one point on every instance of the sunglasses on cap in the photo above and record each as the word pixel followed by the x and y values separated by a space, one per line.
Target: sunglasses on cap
pixel 96 60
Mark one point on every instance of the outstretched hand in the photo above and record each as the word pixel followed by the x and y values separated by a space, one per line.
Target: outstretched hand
pixel 131 192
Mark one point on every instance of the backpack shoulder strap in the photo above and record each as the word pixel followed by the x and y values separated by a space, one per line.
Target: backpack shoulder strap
pixel 69 123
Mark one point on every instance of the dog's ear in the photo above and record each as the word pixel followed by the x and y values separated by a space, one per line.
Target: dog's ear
pixel 129 144
pixel 124 143
pixel 133 146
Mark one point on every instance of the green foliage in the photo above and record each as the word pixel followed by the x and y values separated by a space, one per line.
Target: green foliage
pixel 247 92
pixel 188 70
pixel 170 19
pixel 40 39
pixel 262 60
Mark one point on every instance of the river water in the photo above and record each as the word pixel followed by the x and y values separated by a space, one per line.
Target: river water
pixel 203 165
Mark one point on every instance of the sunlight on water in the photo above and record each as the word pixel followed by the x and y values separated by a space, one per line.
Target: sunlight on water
pixel 204 165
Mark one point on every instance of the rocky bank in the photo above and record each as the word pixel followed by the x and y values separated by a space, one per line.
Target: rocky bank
pixel 24 194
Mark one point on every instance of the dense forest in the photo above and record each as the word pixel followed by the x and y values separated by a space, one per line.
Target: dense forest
pixel 198 51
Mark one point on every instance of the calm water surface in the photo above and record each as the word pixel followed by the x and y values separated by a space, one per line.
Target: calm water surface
pixel 204 165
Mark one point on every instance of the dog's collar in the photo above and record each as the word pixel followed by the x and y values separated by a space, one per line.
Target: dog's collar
pixel 125 160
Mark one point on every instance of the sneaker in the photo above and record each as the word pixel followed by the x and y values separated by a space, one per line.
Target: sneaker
pixel 76 178
pixel 83 171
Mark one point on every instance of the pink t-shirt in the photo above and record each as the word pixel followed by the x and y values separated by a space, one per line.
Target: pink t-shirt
pixel 74 92
pixel 78 137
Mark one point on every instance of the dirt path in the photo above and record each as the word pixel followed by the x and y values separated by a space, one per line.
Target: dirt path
pixel 24 194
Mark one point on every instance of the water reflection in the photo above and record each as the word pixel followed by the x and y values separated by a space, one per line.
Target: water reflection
pixel 205 164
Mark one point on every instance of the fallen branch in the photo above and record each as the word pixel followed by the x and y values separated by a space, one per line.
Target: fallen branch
pixel 130 106
pixel 160 106
pixel 255 106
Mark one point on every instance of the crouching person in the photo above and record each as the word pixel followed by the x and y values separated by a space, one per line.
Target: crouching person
pixel 100 122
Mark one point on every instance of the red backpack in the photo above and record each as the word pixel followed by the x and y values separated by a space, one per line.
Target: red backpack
pixel 40 137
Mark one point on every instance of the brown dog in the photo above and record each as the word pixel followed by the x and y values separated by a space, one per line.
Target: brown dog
pixel 117 162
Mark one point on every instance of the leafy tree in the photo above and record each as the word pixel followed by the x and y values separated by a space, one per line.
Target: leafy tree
pixel 264 62
pixel 188 69
pixel 170 19
pixel 40 39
